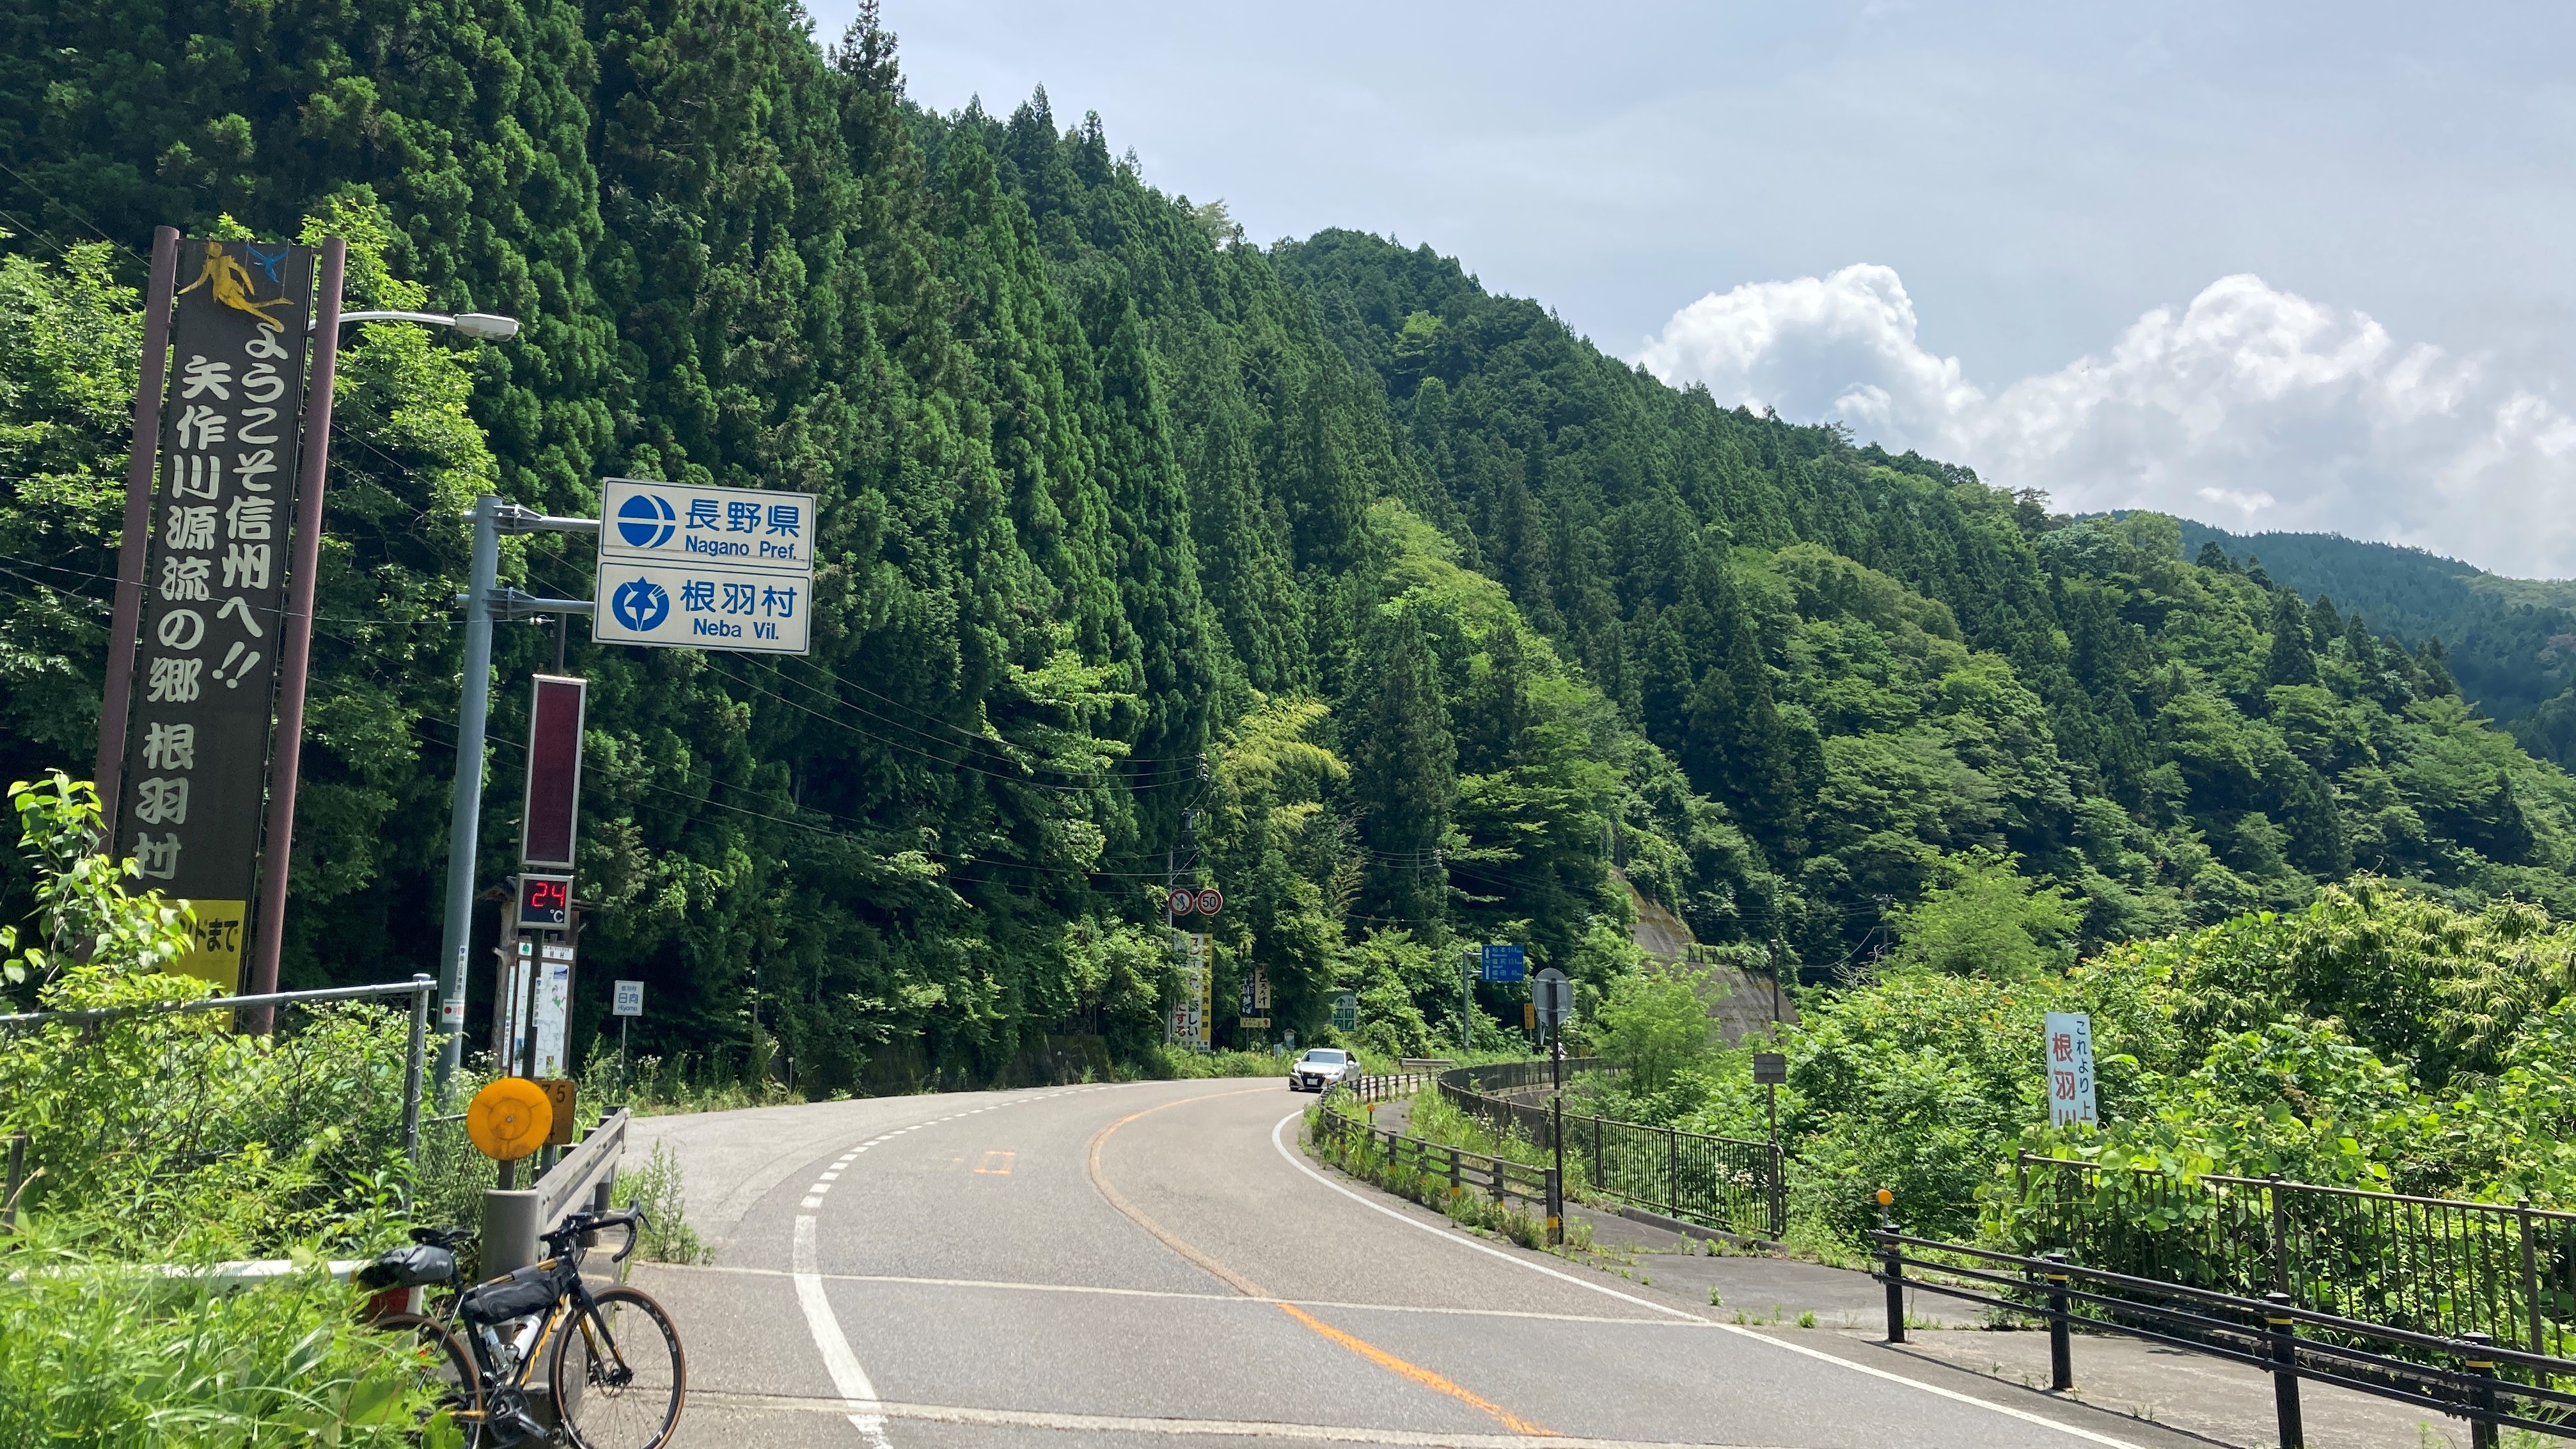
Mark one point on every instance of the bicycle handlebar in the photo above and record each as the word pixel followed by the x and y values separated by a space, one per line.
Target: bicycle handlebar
pixel 579 1223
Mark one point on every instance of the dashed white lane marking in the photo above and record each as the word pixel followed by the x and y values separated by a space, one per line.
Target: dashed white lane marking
pixel 858 1396
pixel 1796 1348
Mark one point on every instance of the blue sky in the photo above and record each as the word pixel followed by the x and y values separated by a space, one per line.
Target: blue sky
pixel 2290 266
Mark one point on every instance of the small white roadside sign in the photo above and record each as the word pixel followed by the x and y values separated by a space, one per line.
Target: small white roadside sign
pixel 2069 1041
pixel 629 1000
pixel 704 568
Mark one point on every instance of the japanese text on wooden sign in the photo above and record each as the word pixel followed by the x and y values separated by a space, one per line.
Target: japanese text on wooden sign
pixel 704 568
pixel 197 742
pixel 2070 1067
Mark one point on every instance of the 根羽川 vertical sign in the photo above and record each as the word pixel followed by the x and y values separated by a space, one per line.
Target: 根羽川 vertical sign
pixel 214 587
pixel 2070 1067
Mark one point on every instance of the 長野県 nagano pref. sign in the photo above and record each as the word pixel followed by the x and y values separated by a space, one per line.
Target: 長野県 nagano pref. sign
pixel 704 568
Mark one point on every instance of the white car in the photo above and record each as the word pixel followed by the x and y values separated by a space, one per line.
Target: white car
pixel 1320 1067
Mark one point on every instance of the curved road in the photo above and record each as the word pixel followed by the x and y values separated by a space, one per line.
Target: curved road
pixel 1158 1264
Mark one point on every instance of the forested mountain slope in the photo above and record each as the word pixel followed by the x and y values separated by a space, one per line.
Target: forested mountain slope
pixel 2511 643
pixel 1314 572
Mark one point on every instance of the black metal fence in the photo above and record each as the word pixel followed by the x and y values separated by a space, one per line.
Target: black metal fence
pixel 1429 1163
pixel 2465 1375
pixel 1722 1182
pixel 2435 1266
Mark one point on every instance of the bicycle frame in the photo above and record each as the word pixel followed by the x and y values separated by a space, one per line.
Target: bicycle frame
pixel 573 1307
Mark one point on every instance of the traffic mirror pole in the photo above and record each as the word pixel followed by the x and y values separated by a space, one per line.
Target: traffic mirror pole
pixel 484 600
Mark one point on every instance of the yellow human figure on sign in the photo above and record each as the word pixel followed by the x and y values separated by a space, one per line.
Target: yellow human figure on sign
pixel 230 284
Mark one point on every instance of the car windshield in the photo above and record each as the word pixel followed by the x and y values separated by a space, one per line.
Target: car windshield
pixel 1326 1055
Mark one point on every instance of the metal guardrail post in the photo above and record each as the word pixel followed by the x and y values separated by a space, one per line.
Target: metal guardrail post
pixel 422 986
pixel 509 1230
pixel 2482 1398
pixel 1894 1261
pixel 2280 1235
pixel 2285 1370
pixel 2530 1276
pixel 2061 1336
pixel 1673 1170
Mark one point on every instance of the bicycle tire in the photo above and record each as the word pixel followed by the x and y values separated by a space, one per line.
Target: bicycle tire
pixel 460 1384
pixel 607 1386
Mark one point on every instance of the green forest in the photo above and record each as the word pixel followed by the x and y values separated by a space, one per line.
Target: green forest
pixel 2511 643
pixel 1311 570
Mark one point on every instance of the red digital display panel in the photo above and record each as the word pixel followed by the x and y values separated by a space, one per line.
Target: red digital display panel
pixel 545 902
pixel 554 772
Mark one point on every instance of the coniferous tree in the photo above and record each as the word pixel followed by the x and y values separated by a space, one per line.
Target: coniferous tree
pixel 1402 762
pixel 2290 662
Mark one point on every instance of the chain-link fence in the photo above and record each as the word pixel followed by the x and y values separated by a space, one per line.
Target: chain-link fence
pixel 156 1124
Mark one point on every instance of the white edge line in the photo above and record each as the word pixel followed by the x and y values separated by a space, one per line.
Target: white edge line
pixel 858 1396
pixel 2006 1410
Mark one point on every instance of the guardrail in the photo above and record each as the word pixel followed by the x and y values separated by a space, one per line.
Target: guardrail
pixel 1732 1183
pixel 515 1219
pixel 2466 1376
pixel 2431 1265
pixel 1498 1177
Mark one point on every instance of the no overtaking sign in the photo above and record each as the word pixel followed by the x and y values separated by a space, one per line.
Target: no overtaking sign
pixel 704 568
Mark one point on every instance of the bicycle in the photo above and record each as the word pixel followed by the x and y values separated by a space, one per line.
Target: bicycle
pixel 615 1372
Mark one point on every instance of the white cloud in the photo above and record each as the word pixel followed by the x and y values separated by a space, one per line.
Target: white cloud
pixel 2250 407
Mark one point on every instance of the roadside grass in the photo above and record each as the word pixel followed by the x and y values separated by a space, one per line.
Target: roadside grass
pixel 1362 1158
pixel 656 1188
pixel 100 1355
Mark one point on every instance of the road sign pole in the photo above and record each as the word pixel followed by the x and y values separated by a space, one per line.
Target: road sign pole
pixel 295 651
pixel 140 462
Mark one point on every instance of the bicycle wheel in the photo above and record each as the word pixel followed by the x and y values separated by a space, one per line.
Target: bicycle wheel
pixel 619 1378
pixel 448 1367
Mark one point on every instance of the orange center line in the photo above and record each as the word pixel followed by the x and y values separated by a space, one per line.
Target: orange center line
pixel 1250 1289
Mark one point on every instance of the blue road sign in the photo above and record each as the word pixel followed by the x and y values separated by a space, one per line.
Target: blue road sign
pixel 1506 963
pixel 704 568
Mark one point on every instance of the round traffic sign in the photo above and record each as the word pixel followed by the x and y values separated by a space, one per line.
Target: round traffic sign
pixel 509 1119
pixel 1211 901
pixel 1181 902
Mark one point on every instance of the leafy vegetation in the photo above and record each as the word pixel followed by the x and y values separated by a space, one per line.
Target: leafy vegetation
pixel 1316 572
pixel 2375 1038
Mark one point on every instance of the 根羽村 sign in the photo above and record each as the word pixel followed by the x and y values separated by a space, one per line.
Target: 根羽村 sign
pixel 704 568
pixel 195 790
pixel 2069 1037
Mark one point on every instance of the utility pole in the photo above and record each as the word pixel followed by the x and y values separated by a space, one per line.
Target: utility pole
pixel 484 600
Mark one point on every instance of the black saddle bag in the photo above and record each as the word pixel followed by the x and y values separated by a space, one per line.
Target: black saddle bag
pixel 408 1268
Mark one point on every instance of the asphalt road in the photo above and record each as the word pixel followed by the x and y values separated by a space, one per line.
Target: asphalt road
pixel 1158 1264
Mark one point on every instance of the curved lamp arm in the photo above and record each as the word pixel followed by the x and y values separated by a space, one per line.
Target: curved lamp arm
pixel 481 326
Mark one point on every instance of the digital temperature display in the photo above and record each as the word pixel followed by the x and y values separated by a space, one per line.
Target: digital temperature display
pixel 545 902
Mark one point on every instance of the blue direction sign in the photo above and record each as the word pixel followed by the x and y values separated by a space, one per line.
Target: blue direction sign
pixel 1505 963
pixel 704 568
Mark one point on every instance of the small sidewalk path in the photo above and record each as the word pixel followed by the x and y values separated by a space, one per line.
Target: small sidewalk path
pixel 2224 1403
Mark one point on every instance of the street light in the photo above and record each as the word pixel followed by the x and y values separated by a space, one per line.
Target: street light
pixel 484 601
pixel 481 326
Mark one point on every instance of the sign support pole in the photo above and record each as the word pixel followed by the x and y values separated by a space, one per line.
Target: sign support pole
pixel 296 657
pixel 465 815
pixel 109 773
